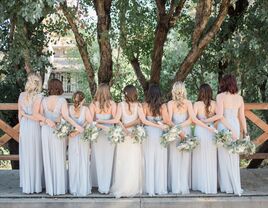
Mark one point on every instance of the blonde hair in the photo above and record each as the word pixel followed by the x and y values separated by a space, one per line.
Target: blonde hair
pixel 103 96
pixel 179 93
pixel 33 85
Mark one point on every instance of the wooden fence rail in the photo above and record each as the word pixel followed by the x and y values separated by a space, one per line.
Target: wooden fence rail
pixel 13 132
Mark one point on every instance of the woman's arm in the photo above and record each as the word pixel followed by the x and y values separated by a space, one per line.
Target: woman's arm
pixel 219 110
pixel 89 117
pixel 165 115
pixel 65 115
pixel 114 107
pixel 194 119
pixel 170 112
pixel 115 120
pixel 133 123
pixel 242 117
pixel 146 122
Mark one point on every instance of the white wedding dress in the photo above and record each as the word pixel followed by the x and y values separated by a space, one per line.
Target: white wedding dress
pixel 127 180
pixel 103 157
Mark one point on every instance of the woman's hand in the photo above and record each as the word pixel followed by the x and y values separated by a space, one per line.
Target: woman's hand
pixel 80 129
pixel 182 135
pixel 23 114
pixel 73 134
pixel 163 127
pixel 234 135
pixel 212 129
pixel 50 123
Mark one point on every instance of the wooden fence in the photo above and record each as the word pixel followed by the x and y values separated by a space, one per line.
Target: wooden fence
pixel 13 132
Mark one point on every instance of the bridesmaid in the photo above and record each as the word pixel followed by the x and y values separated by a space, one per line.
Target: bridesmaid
pixel 204 161
pixel 155 154
pixel 31 162
pixel 103 108
pixel 230 111
pixel 128 163
pixel 181 112
pixel 54 149
pixel 79 151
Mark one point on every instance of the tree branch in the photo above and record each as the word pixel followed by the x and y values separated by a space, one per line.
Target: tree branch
pixel 197 49
pixel 179 9
pixel 203 13
pixel 136 66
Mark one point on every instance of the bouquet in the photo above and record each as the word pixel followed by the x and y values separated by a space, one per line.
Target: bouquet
pixel 223 138
pixel 116 134
pixel 91 133
pixel 188 144
pixel 63 129
pixel 170 135
pixel 139 134
pixel 242 146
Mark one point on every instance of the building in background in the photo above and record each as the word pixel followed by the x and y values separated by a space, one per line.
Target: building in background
pixel 67 66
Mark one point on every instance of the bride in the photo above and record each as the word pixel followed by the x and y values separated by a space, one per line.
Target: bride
pixel 128 157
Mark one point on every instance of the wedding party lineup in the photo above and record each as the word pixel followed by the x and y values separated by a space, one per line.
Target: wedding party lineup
pixel 133 147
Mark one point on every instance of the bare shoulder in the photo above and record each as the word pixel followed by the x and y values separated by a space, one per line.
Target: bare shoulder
pixel 188 102
pixel 164 106
pixel 170 103
pixel 241 99
pixel 219 96
pixel 22 94
pixel 112 103
pixel 198 103
pixel 144 105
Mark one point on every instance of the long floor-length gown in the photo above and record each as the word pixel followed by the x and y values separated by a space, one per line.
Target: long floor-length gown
pixel 54 152
pixel 204 161
pixel 179 167
pixel 30 149
pixel 79 160
pixel 127 180
pixel 155 161
pixel 229 170
pixel 103 156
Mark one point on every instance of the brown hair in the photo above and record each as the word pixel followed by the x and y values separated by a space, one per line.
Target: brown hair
pixel 131 95
pixel 228 84
pixel 205 95
pixel 55 87
pixel 78 97
pixel 103 96
pixel 153 99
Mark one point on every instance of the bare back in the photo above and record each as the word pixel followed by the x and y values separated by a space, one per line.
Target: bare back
pixel 147 111
pixel 231 101
pixel 178 109
pixel 200 109
pixel 95 108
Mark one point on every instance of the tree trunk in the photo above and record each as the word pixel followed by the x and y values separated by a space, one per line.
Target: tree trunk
pixel 82 47
pixel 161 33
pixel 103 9
pixel 136 66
